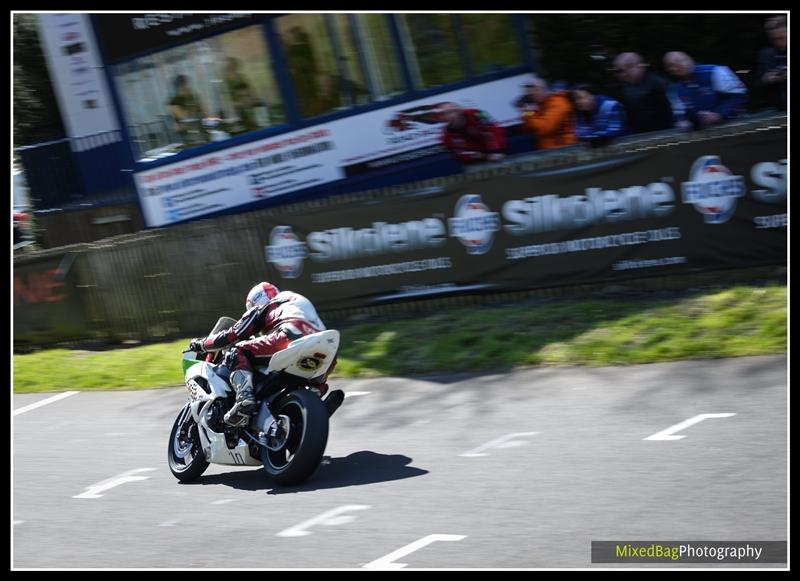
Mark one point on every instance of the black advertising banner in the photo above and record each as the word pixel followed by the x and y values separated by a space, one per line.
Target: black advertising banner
pixel 47 306
pixel 125 35
pixel 685 207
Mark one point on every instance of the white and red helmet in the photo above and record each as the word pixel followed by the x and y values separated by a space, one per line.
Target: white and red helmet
pixel 260 294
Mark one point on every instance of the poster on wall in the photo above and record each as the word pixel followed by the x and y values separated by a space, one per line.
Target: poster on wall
pixel 214 182
pixel 73 59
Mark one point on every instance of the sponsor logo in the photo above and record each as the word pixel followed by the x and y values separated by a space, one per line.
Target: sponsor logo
pixel 415 118
pixel 771 176
pixel 474 224
pixel 381 238
pixel 712 189
pixel 552 212
pixel 308 363
pixel 194 388
pixel 286 252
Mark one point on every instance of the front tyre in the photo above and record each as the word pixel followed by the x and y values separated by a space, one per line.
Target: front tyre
pixel 184 454
pixel 302 449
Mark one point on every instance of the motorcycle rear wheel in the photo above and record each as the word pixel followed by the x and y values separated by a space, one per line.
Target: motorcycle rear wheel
pixel 302 451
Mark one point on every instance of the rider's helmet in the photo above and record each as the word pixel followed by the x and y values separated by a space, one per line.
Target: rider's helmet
pixel 260 294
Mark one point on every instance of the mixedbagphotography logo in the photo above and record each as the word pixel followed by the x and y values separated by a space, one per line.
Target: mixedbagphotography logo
pixel 286 251
pixel 474 224
pixel 712 189
pixel 688 551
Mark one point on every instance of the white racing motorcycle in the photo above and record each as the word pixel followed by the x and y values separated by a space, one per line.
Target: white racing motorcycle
pixel 288 432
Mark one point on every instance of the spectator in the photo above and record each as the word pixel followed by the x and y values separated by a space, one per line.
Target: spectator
pixel 600 119
pixel 187 113
pixel 702 95
pixel 305 72
pixel 548 114
pixel 771 72
pixel 244 101
pixel 644 95
pixel 471 135
pixel 20 227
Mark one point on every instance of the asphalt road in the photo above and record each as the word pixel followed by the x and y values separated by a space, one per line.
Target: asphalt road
pixel 511 470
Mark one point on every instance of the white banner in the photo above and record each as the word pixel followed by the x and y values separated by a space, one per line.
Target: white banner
pixel 310 157
pixel 74 61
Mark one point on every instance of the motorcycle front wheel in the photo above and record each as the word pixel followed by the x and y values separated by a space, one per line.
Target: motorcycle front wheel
pixel 302 445
pixel 184 455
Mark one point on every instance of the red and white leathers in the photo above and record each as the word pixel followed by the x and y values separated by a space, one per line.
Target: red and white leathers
pixel 288 316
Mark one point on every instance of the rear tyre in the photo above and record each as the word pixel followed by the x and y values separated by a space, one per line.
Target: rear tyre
pixel 302 449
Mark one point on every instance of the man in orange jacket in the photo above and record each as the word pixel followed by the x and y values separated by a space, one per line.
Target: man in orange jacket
pixel 548 114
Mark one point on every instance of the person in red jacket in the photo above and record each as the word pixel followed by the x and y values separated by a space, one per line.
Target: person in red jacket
pixel 471 135
pixel 549 115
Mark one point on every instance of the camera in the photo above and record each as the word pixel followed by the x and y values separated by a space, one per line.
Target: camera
pixel 524 101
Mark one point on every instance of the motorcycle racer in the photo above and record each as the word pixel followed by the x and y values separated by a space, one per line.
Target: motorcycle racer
pixel 278 318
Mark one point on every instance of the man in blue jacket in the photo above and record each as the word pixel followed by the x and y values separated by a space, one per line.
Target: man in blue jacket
pixel 703 95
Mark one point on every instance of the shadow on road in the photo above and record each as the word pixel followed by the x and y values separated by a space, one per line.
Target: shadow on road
pixel 357 469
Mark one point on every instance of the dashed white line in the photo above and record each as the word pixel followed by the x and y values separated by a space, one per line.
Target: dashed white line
pixel 507 441
pixel 169 523
pixel 387 561
pixel 329 518
pixel 224 501
pixel 667 434
pixel 94 490
pixel 355 393
pixel 44 402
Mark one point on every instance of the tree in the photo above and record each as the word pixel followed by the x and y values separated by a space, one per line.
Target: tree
pixel 36 112
pixel 581 47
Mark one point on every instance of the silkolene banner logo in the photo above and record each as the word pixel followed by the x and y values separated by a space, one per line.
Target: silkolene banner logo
pixel 474 224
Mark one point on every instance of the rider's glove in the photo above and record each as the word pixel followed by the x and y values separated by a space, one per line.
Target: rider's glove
pixel 196 345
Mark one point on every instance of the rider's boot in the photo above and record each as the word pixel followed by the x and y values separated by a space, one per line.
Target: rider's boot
pixel 242 382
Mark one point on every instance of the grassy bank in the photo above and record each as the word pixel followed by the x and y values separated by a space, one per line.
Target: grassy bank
pixel 738 321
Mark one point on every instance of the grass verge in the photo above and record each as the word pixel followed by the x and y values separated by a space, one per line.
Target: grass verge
pixel 737 321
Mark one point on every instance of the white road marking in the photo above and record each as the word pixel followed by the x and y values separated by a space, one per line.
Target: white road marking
pixel 387 561
pixel 354 393
pixel 224 501
pixel 94 490
pixel 328 518
pixel 507 441
pixel 667 434
pixel 169 523
pixel 43 402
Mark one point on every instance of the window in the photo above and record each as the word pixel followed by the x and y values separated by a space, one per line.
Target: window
pixel 378 49
pixel 201 92
pixel 491 42
pixel 431 49
pixel 323 62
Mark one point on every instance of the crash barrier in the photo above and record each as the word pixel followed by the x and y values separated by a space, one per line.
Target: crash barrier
pixel 659 205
